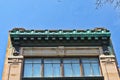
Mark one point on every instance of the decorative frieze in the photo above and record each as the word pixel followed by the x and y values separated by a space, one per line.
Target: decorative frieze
pixel 61 51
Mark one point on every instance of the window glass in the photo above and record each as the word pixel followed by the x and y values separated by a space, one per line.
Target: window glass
pixel 51 67
pixel 96 70
pixel 48 70
pixel 28 70
pixel 56 70
pixel 90 66
pixel 85 60
pixel 67 70
pixel 87 70
pixel 71 67
pixel 28 60
pixel 36 70
pixel 75 60
pixel 32 67
pixel 70 60
pixel 76 70
pixel 55 60
pixel 51 60
pixel 36 60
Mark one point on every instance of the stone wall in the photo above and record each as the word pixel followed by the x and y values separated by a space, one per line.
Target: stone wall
pixel 109 68
pixel 13 65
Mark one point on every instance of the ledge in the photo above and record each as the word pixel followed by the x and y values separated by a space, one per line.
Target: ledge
pixel 15 57
pixel 107 56
pixel 67 78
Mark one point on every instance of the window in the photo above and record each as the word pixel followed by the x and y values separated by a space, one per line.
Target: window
pixel 61 67
pixel 71 67
pixel 32 67
pixel 51 67
pixel 90 67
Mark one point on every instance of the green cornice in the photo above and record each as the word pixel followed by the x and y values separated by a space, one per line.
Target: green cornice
pixel 97 32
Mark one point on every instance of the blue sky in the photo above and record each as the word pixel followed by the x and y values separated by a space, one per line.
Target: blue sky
pixel 56 14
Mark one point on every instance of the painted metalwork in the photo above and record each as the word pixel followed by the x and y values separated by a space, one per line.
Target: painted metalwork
pixel 96 33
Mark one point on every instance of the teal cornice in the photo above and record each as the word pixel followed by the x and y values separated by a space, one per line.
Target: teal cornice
pixel 96 33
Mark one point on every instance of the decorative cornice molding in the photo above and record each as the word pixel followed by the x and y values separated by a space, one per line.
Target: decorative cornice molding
pixel 88 34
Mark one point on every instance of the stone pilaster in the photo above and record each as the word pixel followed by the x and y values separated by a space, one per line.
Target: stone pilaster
pixel 109 68
pixel 15 67
pixel 13 64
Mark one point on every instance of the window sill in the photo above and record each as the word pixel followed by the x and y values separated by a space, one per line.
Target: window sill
pixel 65 78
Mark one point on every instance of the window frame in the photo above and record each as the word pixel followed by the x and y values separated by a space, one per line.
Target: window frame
pixel 91 63
pixel 32 66
pixel 52 63
pixel 71 65
pixel 62 65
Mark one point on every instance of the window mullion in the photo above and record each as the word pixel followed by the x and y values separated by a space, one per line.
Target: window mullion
pixel 72 69
pixel 92 73
pixel 67 68
pixel 62 68
pixel 81 68
pixel 32 68
pixel 52 70
pixel 42 68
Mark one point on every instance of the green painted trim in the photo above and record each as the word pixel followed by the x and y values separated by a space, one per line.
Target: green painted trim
pixel 98 32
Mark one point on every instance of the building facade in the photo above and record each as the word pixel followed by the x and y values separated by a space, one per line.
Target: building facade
pixel 60 55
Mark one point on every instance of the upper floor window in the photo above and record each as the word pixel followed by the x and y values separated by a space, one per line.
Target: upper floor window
pixel 90 67
pixel 32 67
pixel 71 67
pixel 52 68
pixel 61 67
